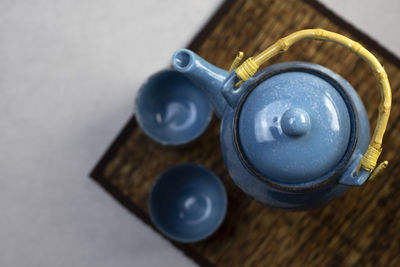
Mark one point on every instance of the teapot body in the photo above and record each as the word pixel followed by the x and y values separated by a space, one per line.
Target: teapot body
pixel 292 136
pixel 291 194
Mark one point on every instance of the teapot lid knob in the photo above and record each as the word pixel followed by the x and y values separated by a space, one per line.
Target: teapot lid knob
pixel 295 122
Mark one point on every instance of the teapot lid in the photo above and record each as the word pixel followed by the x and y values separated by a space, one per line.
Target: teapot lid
pixel 294 125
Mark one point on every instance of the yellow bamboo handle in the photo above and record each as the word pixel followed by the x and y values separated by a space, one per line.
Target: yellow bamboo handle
pixel 249 67
pixel 236 62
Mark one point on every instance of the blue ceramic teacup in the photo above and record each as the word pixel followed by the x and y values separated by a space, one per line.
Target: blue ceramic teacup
pixel 171 109
pixel 188 203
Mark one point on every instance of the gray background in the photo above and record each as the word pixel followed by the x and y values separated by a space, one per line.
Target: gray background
pixel 69 71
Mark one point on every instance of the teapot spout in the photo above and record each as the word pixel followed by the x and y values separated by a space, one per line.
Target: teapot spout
pixel 205 75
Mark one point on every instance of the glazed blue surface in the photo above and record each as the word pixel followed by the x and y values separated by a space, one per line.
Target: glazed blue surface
pixel 295 122
pixel 196 68
pixel 289 150
pixel 187 203
pixel 171 109
pixel 299 153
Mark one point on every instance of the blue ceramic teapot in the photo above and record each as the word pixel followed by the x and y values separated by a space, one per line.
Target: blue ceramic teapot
pixel 294 135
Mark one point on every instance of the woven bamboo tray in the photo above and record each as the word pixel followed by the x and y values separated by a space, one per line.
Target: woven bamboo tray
pixel 360 228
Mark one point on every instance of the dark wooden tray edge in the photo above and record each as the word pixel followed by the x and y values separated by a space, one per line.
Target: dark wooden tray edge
pixel 97 172
pixel 365 38
pixel 97 175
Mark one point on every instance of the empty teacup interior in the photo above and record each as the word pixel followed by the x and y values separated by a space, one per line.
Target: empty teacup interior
pixel 171 109
pixel 188 203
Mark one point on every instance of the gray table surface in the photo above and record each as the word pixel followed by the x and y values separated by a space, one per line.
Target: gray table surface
pixel 69 71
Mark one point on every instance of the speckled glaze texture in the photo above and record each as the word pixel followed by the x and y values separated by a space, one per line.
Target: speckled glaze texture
pixel 171 110
pixel 188 203
pixel 292 135
pixel 196 69
pixel 294 127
